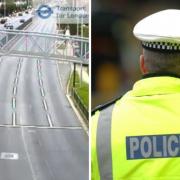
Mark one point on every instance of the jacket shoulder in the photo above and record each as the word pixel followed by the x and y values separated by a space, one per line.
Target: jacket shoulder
pixel 105 105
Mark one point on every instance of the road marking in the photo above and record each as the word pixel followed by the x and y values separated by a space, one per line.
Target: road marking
pixel 43 127
pixel 14 90
pixel 38 61
pixel 28 155
pixel 21 60
pixel 40 82
pixel 49 120
pixel 19 66
pixel 59 75
pixel 14 103
pixel 39 67
pixel 39 73
pixel 45 104
pixel 9 156
pixel 17 72
pixel 16 81
pixel 14 118
pixel 42 92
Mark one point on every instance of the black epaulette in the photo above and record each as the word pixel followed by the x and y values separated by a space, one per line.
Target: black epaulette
pixel 105 105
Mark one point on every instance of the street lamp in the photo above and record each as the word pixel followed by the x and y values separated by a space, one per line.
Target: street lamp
pixel 4 8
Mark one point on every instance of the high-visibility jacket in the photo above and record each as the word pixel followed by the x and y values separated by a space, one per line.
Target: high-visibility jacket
pixel 138 137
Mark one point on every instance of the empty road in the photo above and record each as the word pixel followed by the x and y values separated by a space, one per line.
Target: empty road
pixel 40 135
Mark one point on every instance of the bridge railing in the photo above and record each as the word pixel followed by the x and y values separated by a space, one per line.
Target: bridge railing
pixel 44 45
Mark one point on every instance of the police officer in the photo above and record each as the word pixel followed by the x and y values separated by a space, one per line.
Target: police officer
pixel 138 136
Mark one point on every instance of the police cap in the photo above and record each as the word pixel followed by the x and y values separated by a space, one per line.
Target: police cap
pixel 160 31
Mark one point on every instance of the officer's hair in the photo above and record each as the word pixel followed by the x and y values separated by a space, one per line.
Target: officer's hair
pixel 158 62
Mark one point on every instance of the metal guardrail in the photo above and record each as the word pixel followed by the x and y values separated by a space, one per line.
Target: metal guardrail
pixel 80 104
pixel 44 46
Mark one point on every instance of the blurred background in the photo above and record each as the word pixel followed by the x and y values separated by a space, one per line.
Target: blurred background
pixel 115 51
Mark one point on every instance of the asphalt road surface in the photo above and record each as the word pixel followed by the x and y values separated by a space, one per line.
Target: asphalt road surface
pixel 40 136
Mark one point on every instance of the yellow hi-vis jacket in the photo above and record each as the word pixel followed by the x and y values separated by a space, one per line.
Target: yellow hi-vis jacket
pixel 138 137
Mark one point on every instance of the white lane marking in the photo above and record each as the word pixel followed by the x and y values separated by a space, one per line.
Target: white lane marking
pixel 17 72
pixel 43 127
pixel 40 82
pixel 38 61
pixel 39 73
pixel 14 118
pixel 39 67
pixel 14 90
pixel 42 92
pixel 49 120
pixel 9 156
pixel 16 81
pixel 19 66
pixel 45 104
pixel 28 155
pixel 59 75
pixel 14 103
pixel 21 60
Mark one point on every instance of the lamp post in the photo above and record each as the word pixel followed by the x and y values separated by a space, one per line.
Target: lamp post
pixel 4 8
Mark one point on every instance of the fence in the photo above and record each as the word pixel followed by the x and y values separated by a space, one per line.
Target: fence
pixel 79 103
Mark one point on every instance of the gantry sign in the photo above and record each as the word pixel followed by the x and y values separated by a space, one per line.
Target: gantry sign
pixel 44 46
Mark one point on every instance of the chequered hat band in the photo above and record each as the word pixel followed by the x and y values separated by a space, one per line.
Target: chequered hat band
pixel 166 46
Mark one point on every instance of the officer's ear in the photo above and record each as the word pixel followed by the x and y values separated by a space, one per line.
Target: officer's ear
pixel 143 67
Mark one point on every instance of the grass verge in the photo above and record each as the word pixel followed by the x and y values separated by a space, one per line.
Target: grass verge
pixel 82 89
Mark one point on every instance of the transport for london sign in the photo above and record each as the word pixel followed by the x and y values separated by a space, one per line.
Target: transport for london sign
pixel 44 11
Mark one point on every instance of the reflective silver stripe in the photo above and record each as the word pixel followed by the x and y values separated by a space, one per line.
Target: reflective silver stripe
pixel 103 141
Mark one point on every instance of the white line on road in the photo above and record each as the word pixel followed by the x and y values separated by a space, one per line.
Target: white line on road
pixel 40 82
pixel 17 72
pixel 49 120
pixel 14 118
pixel 28 155
pixel 19 66
pixel 39 67
pixel 16 81
pixel 45 104
pixel 14 90
pixel 43 127
pixel 59 75
pixel 42 92
pixel 21 60
pixel 14 103
pixel 38 61
pixel 39 73
pixel 9 156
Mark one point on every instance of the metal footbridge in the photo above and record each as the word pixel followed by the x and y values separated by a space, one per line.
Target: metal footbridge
pixel 45 46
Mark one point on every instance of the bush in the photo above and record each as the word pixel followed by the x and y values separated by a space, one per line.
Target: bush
pixel 10 8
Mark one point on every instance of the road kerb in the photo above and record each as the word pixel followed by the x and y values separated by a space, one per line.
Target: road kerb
pixel 71 102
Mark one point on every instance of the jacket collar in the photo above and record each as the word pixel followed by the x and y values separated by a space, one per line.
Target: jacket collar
pixel 155 84
pixel 161 74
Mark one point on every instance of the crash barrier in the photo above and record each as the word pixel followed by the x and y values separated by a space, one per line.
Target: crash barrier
pixel 80 105
pixel 23 25
pixel 45 46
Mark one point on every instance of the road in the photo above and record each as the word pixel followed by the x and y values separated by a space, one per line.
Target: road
pixel 40 135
